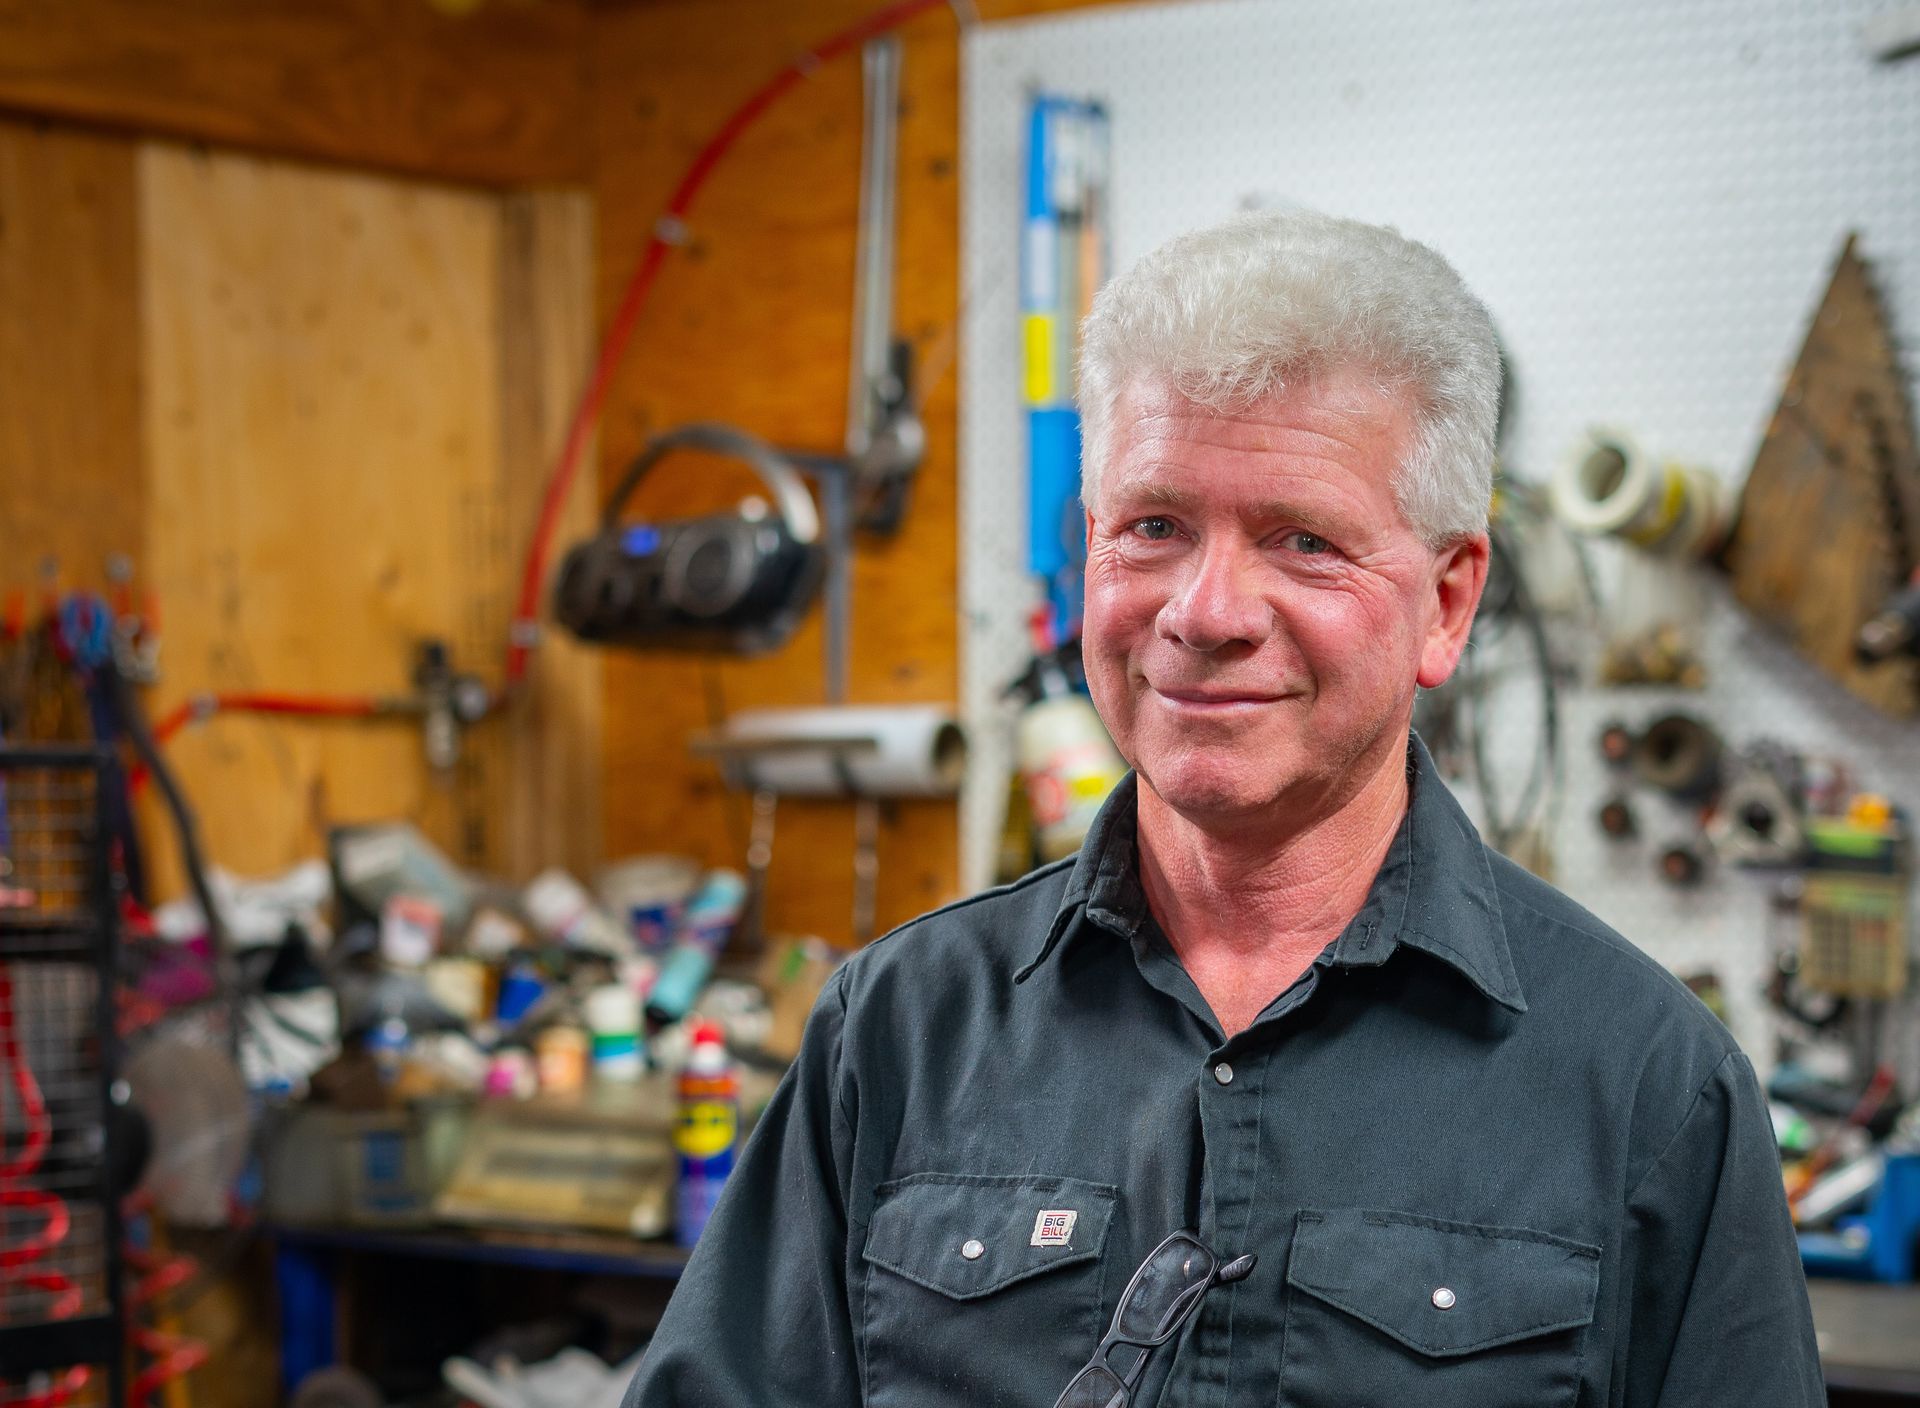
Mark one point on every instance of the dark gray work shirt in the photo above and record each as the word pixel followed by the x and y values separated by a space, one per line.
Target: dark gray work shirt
pixel 1476 1087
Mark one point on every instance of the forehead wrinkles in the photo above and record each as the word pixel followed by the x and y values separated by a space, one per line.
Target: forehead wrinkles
pixel 1275 470
pixel 1341 424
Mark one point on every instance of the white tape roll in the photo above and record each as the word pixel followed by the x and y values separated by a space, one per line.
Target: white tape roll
pixel 910 750
pixel 1608 485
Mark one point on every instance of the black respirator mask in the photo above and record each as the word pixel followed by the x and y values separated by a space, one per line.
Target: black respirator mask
pixel 736 582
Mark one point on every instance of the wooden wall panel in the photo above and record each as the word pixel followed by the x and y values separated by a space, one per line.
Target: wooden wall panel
pixel 545 343
pixel 751 324
pixel 492 95
pixel 336 475
pixel 71 485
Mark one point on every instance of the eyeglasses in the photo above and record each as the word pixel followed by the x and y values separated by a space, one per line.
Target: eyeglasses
pixel 1158 1301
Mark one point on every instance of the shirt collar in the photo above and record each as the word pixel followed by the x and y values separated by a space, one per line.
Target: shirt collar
pixel 1434 891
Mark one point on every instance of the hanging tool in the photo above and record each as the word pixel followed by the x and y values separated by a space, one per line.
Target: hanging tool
pixel 1829 518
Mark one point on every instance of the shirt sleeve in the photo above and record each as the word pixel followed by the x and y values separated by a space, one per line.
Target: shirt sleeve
pixel 761 1315
pixel 1717 1299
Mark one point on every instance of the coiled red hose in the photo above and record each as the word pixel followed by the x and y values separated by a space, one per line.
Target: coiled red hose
pixel 67 1297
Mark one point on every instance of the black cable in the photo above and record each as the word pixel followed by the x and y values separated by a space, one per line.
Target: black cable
pixel 1476 692
pixel 133 722
pixel 1544 768
pixel 1545 772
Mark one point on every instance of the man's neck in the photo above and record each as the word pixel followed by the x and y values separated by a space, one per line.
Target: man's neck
pixel 1248 908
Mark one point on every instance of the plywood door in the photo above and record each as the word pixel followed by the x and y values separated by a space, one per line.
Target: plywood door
pixel 335 475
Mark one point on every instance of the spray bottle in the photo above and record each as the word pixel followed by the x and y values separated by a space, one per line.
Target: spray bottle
pixel 1067 761
pixel 706 1131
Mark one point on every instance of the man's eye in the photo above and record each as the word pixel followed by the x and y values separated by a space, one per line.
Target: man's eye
pixel 1310 543
pixel 1155 530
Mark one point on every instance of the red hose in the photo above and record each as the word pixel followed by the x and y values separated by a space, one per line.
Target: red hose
pixel 64 1390
pixel 178 1356
pixel 524 631
pixel 33 1105
pixel 204 706
pixel 158 1274
pixel 68 1299
pixel 52 1233
pixel 39 1134
pixel 174 1355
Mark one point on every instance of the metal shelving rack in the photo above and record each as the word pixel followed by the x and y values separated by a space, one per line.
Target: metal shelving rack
pixel 62 1336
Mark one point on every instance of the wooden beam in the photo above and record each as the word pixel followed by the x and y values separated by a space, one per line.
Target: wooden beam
pixel 495 96
pixel 551 736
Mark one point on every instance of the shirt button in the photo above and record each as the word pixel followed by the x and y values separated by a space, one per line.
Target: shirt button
pixel 1443 1298
pixel 973 1249
pixel 1223 1073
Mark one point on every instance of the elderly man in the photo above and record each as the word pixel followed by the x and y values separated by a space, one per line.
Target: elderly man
pixel 1481 1149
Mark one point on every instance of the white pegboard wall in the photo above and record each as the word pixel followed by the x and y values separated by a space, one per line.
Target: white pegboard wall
pixel 1758 690
pixel 1649 195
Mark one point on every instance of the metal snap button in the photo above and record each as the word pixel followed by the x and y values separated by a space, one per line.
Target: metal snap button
pixel 1223 1073
pixel 973 1249
pixel 1443 1298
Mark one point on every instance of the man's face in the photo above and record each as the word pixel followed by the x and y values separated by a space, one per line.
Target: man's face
pixel 1258 612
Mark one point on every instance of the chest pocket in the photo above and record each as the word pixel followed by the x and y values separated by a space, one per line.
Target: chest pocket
pixel 960 1304
pixel 1386 1309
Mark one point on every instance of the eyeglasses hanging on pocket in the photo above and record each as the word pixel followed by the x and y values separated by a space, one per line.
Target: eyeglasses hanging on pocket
pixel 1162 1296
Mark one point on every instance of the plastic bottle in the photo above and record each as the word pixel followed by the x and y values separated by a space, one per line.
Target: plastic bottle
pixel 613 1018
pixel 704 930
pixel 390 1038
pixel 561 909
pixel 706 1131
pixel 560 1055
pixel 1067 760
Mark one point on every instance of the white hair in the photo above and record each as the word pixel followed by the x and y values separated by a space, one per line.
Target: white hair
pixel 1226 315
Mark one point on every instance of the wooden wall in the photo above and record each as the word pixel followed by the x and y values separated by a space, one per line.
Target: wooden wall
pixel 70 486
pixel 752 324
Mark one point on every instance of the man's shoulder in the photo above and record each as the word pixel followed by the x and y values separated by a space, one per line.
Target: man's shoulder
pixel 991 932
pixel 1579 973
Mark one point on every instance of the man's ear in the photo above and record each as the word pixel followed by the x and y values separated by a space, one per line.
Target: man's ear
pixel 1459 576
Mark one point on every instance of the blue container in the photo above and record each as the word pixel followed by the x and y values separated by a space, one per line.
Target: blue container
pixel 520 988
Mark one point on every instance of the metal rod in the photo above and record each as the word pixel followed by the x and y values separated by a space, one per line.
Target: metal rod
pixel 759 862
pixel 866 866
pixel 106 902
pixel 836 513
pixel 873 269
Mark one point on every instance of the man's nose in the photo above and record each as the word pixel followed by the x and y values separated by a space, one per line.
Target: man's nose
pixel 1219 604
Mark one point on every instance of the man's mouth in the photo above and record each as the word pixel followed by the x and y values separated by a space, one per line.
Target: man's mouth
pixel 1210 698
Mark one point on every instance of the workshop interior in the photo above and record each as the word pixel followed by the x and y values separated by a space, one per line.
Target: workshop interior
pixel 530 530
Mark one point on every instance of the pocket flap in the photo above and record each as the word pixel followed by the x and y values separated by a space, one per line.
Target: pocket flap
pixel 1389 1269
pixel 968 1235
